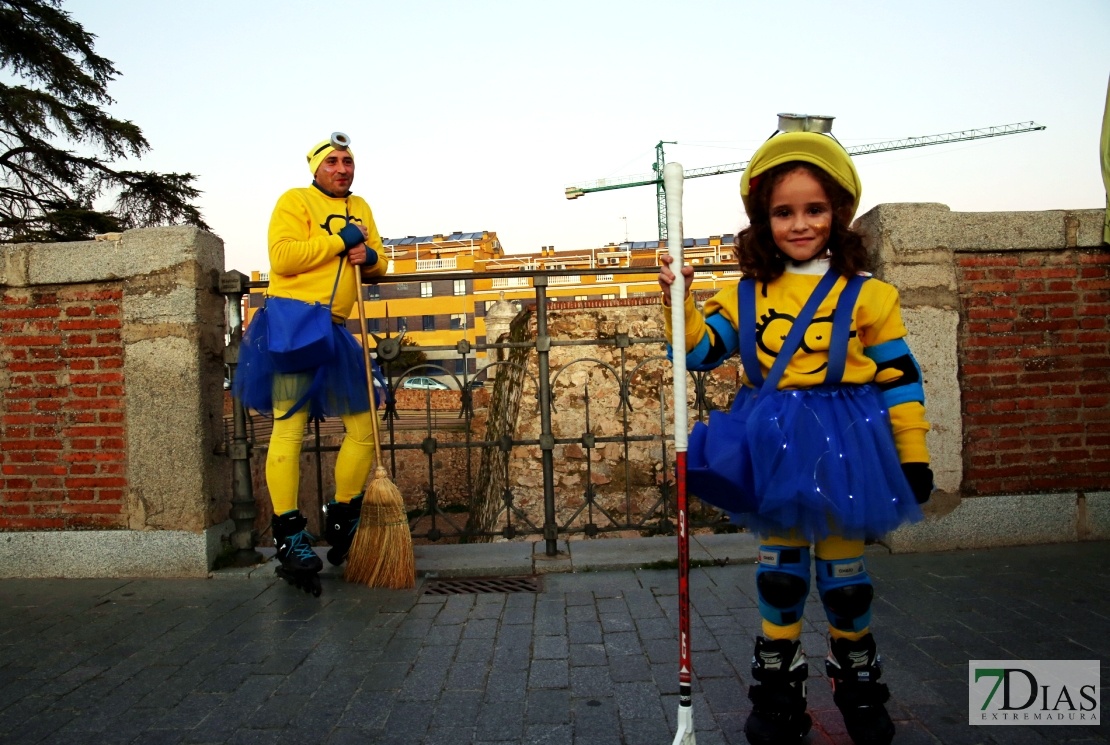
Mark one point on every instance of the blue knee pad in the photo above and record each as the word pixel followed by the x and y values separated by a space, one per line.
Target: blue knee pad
pixel 782 580
pixel 846 592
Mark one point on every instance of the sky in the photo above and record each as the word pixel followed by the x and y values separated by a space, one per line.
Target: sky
pixel 469 116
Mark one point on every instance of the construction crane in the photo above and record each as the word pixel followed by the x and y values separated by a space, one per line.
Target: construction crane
pixel 624 182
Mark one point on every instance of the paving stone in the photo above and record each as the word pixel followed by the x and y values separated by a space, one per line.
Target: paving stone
pixel 712 665
pixel 547 734
pixel 457 709
pixel 517 616
pixel 581 614
pixel 386 676
pixel 518 635
pixel 666 679
pixel 579 597
pixel 506 685
pixel 367 710
pixel 481 628
pixel 549 621
pixel 637 700
pixel 587 655
pixel 645 731
pixel 475 650
pixel 621 643
pixel 511 658
pixel 407 721
pixel 617 622
pixel 591 682
pixel 424 681
pixel 449 736
pixel 548 707
pixel 629 668
pixel 548 674
pixel 585 632
pixel 500 721
pixel 467 676
pixel 726 695
pixel 655 628
pixel 550 648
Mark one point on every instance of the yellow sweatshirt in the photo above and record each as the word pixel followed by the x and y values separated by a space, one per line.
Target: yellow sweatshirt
pixel 305 246
pixel 876 320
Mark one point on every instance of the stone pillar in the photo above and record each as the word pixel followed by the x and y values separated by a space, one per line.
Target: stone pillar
pixel 176 482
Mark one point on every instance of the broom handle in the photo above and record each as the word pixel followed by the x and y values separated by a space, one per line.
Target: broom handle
pixel 672 186
pixel 369 370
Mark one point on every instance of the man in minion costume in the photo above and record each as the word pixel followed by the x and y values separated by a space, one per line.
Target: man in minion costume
pixel 319 236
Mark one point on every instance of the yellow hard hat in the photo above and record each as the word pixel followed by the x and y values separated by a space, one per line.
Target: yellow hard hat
pixel 809 147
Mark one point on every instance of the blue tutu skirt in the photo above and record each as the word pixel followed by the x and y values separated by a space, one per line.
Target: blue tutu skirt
pixel 334 388
pixel 823 462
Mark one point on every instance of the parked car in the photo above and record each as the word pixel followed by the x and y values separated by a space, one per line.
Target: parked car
pixel 421 382
pixel 475 384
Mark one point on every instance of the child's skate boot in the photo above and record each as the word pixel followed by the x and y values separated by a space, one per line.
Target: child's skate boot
pixel 340 524
pixel 300 566
pixel 779 700
pixel 854 668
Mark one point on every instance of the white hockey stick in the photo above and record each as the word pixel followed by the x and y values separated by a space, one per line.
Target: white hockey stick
pixel 672 186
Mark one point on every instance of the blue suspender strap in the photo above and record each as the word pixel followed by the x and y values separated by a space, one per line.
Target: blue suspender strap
pixel 798 328
pixel 842 329
pixel 748 357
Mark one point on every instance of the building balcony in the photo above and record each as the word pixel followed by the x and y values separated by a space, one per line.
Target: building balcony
pixel 572 279
pixel 503 282
pixel 436 265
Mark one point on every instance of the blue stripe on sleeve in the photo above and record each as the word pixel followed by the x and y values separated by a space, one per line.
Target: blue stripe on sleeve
pixel 718 344
pixel 896 355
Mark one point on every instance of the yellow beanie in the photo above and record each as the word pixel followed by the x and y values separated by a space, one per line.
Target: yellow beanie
pixel 320 151
pixel 820 150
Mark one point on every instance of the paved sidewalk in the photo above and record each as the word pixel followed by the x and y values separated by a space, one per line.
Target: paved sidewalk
pixel 590 658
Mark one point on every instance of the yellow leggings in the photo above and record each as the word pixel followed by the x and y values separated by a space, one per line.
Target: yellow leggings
pixel 831 548
pixel 283 461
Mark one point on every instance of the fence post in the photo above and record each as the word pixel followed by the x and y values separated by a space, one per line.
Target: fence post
pixel 547 439
pixel 233 285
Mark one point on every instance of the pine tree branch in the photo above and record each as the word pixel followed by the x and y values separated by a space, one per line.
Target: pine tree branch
pixel 47 191
pixel 38 41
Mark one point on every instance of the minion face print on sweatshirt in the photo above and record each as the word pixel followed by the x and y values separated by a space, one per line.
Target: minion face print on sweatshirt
pixel 333 223
pixel 812 356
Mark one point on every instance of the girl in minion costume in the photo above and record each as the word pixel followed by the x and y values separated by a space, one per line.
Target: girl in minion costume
pixel 319 236
pixel 830 417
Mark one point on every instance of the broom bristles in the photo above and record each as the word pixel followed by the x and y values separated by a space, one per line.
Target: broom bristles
pixel 381 554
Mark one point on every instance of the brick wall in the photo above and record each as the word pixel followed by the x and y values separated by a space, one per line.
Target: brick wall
pixel 1035 370
pixel 63 454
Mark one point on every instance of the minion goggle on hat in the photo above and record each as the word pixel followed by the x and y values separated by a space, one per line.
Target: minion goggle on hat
pixel 321 150
pixel 808 139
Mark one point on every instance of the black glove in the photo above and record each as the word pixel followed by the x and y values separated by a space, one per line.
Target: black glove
pixel 920 478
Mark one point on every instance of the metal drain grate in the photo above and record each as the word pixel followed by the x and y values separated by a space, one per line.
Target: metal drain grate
pixel 472 585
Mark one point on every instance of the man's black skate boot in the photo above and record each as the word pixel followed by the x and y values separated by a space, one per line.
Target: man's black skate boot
pixel 779 700
pixel 300 566
pixel 340 524
pixel 854 669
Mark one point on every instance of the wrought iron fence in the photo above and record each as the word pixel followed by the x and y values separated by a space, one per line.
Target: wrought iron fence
pixel 490 438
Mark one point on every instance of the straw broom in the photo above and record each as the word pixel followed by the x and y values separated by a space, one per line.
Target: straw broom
pixel 381 553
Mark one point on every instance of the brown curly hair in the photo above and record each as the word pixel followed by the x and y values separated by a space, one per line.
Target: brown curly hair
pixel 760 258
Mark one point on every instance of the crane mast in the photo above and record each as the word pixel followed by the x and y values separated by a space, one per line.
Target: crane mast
pixel 576 190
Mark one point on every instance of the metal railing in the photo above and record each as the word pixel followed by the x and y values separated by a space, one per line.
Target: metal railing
pixel 420 434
